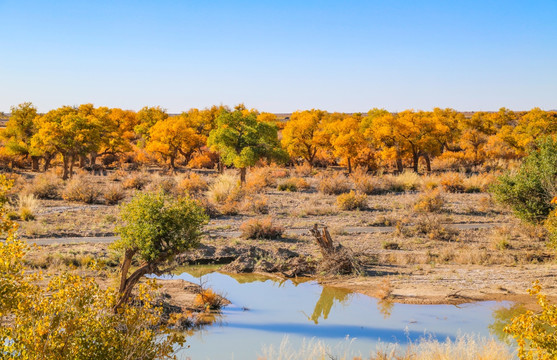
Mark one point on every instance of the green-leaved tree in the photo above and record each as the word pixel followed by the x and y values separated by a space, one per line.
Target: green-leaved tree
pixel 157 227
pixel 242 140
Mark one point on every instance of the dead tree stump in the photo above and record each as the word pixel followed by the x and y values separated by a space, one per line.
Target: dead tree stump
pixel 336 260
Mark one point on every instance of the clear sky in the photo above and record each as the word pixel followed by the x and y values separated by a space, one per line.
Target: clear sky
pixel 280 56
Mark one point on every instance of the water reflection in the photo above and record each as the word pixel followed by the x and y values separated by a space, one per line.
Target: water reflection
pixel 502 317
pixel 326 301
pixel 264 309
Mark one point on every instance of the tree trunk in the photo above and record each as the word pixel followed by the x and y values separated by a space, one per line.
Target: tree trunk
pixel 172 163
pixel 82 161
pixel 399 167
pixel 65 164
pixel 349 166
pixel 220 166
pixel 34 163
pixel 93 158
pixel 129 283
pixel 427 162
pixel 415 161
pixel 243 175
pixel 47 160
pixel 72 160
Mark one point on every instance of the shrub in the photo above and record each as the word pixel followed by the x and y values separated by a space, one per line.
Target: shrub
pixel 432 227
pixel 261 229
pixel 192 184
pixel 431 201
pixel 13 215
pixel 162 183
pixel 260 178
pixel 304 169
pixel 530 190
pixel 208 300
pixel 452 182
pixel 334 185
pixel 113 194
pixel 352 201
pixel 26 214
pixel 81 189
pixel 136 181
pixel 225 188
pixel 293 184
pixel 408 180
pixel 364 183
pixel 258 204
pixel 45 186
pixel 535 332
pixel 478 183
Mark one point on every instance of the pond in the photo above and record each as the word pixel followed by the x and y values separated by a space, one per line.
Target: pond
pixel 264 311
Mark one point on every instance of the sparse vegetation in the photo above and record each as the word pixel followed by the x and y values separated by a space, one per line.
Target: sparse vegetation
pixel 261 229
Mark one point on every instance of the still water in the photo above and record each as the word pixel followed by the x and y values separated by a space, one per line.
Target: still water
pixel 266 310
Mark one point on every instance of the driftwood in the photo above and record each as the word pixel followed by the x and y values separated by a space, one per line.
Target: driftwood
pixel 336 259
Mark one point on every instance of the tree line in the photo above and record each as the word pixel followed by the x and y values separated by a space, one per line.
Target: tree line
pixel 241 137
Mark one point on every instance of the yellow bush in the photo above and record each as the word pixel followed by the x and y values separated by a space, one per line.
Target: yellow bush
pixel 536 332
pixel 431 201
pixel 452 182
pixel 208 300
pixel 261 229
pixel 352 201
pixel 192 184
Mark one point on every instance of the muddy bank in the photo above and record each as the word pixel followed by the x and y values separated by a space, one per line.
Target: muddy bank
pixel 412 283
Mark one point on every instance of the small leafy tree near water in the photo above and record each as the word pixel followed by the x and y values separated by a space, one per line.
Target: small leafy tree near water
pixel 70 317
pixel 156 228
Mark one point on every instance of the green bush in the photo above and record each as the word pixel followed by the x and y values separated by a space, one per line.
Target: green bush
pixel 529 191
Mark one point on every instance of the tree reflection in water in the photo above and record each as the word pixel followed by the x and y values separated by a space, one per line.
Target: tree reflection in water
pixel 326 301
pixel 502 317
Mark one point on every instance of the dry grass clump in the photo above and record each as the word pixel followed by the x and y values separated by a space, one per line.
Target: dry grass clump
pixel 431 201
pixel 114 194
pixel 261 229
pixel 352 201
pixel 225 193
pixel 45 186
pixel 28 205
pixel 165 184
pixel 258 179
pixel 258 204
pixel 364 183
pixel 478 183
pixel 303 170
pixel 117 175
pixel 452 182
pixel 406 181
pixel 81 189
pixel 334 185
pixel 293 184
pixel 136 181
pixel 225 188
pixel 464 347
pixel 192 184
pixel 434 229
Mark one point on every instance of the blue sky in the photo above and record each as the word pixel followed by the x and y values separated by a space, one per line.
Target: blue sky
pixel 280 56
